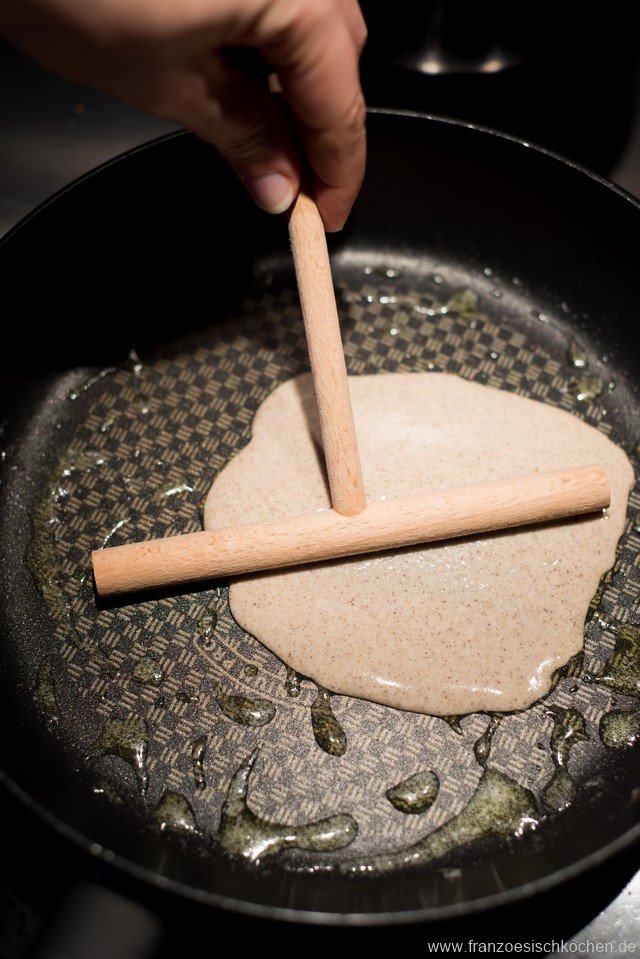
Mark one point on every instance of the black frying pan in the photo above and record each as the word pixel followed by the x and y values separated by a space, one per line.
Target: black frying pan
pixel 162 250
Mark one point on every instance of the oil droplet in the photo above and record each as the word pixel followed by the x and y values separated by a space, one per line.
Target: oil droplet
pixel 107 791
pixel 84 387
pixel 573 669
pixel 250 670
pixel 198 751
pixel 245 711
pixel 348 296
pixel 95 654
pixel 568 730
pixel 576 356
pixel 482 746
pixel 170 491
pixel 45 691
pixel 464 303
pixel 559 792
pixel 148 672
pixel 133 362
pixel 184 696
pixel 620 728
pixel 42 555
pixel 206 624
pixel 242 833
pixel 415 794
pixel 385 271
pixel 293 683
pixel 621 672
pixel 328 733
pixel 114 529
pixel 129 740
pixel 586 388
pixel 454 723
pixel 174 812
pixel 499 807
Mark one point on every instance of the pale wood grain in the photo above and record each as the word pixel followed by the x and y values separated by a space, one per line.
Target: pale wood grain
pixel 384 524
pixel 320 315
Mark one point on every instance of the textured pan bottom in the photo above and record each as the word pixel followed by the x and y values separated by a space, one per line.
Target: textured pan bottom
pixel 174 697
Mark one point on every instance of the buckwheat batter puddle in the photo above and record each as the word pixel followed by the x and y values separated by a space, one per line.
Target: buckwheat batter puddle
pixel 451 628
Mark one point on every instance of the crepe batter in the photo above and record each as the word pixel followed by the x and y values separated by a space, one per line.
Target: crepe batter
pixel 446 629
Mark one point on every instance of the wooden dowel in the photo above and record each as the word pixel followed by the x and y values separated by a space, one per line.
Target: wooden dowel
pixel 328 368
pixel 384 524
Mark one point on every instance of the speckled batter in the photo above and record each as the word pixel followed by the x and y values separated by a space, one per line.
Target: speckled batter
pixel 451 628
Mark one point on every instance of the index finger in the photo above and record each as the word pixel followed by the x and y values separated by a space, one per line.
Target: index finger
pixel 316 59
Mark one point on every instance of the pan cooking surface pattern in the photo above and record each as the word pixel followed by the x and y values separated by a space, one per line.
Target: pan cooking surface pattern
pixel 184 698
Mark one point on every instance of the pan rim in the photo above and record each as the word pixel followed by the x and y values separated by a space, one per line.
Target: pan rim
pixel 376 111
pixel 144 874
pixel 256 910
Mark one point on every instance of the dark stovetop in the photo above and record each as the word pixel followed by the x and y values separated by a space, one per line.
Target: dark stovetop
pixel 53 131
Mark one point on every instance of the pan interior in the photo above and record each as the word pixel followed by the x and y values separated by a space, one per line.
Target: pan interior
pixel 152 709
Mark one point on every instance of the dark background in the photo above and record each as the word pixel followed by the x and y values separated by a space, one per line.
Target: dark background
pixel 567 80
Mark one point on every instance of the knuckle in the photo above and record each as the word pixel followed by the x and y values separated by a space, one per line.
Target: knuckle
pixel 301 14
pixel 363 35
pixel 355 116
pixel 247 142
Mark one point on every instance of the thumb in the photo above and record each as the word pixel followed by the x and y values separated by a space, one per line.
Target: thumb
pixel 230 111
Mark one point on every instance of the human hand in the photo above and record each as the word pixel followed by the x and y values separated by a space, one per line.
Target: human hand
pixel 163 57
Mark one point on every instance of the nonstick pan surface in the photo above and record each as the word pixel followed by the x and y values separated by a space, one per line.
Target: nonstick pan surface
pixel 154 310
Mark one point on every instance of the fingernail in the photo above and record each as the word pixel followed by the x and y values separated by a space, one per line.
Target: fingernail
pixel 272 192
pixel 336 226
